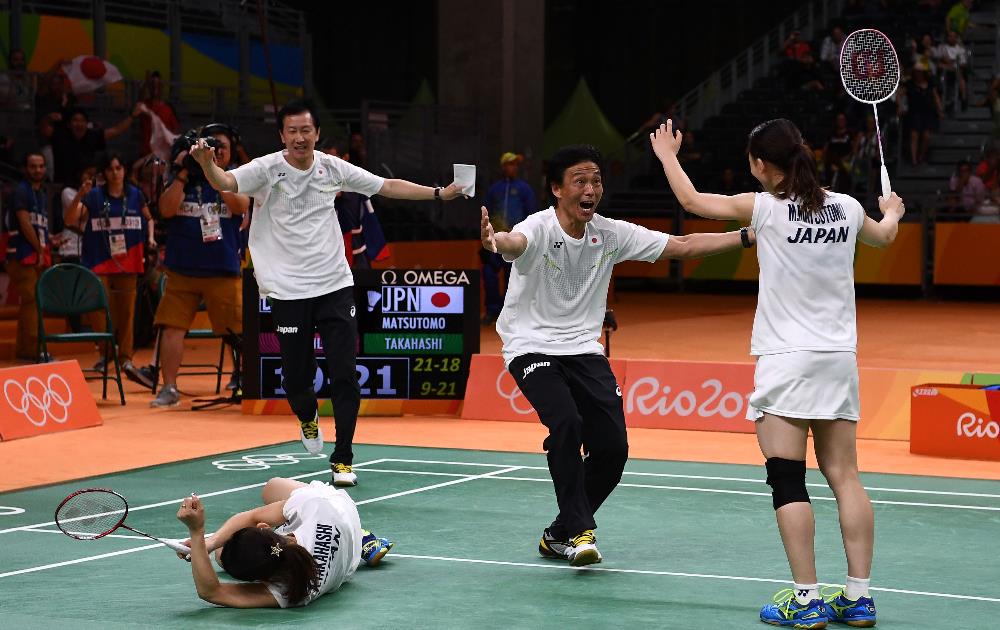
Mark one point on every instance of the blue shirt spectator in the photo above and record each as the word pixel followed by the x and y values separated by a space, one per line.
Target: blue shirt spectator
pixel 510 200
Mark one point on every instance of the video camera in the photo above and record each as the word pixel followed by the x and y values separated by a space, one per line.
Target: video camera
pixel 186 141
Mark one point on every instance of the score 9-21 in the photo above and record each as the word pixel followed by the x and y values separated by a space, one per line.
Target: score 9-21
pixel 437 364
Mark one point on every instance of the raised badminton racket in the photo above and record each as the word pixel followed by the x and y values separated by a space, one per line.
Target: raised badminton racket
pixel 869 69
pixel 96 512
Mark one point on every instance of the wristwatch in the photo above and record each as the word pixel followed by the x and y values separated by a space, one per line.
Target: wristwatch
pixel 745 237
pixel 437 193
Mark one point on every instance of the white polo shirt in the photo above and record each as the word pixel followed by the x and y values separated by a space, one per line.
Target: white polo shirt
pixel 295 238
pixel 558 289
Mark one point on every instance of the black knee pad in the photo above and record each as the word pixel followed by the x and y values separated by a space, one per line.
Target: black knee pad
pixel 787 478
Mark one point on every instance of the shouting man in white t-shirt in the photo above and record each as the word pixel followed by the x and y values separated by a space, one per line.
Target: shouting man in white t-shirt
pixel 300 266
pixel 551 320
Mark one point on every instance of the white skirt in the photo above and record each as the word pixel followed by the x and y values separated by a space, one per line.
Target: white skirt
pixel 807 385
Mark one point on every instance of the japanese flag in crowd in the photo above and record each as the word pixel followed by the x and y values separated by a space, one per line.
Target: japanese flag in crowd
pixel 440 300
pixel 88 73
pixel 161 138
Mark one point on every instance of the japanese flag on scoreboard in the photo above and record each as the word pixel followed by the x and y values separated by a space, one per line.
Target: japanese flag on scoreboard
pixel 440 300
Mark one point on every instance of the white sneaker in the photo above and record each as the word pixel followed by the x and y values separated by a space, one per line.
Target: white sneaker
pixel 311 435
pixel 584 549
pixel 343 476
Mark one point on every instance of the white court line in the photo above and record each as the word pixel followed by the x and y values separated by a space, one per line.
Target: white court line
pixel 453 482
pixel 79 560
pixel 372 500
pixel 173 501
pixel 711 478
pixel 953 506
pixel 566 567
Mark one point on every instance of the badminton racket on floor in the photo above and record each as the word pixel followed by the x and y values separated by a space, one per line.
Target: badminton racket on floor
pixel 96 512
pixel 869 70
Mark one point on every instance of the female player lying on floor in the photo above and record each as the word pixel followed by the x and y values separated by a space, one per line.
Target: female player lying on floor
pixel 306 540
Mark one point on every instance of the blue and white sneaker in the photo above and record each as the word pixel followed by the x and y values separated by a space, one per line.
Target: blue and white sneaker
pixel 839 609
pixel 786 611
pixel 373 548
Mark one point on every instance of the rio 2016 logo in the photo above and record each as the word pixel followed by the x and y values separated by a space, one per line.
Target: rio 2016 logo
pixel 647 397
pixel 969 425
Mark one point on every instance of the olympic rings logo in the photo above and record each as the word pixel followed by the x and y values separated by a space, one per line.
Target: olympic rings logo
pixel 264 461
pixel 40 401
pixel 513 395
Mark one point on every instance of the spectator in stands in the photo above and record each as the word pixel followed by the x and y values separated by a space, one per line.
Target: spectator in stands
pixel 15 83
pixel 838 155
pixel 70 240
pixel 794 48
pixel 28 251
pixel 508 201
pixel 829 52
pixel 77 142
pixel 953 62
pixel 727 182
pixel 987 169
pixel 959 18
pixel 202 261
pixel 151 95
pixel 969 189
pixel 866 157
pixel 690 152
pixel 989 210
pixel 925 52
pixel 54 100
pixel 922 111
pixel 113 248
pixel 357 153
pixel 992 101
pixel 666 111
pixel 351 210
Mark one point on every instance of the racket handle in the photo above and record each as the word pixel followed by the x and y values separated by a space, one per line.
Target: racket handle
pixel 886 187
pixel 176 546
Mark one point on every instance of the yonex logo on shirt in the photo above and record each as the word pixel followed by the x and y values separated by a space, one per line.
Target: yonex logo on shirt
pixel 287 329
pixel 531 368
pixel 557 244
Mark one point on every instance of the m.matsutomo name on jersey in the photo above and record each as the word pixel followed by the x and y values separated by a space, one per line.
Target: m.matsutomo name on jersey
pixel 830 213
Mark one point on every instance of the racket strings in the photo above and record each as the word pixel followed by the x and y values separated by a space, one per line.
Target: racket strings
pixel 91 514
pixel 869 67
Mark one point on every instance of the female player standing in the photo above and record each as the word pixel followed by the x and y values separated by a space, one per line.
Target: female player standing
pixel 805 341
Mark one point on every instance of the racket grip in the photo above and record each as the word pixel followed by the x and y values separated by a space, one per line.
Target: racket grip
pixel 886 187
pixel 176 546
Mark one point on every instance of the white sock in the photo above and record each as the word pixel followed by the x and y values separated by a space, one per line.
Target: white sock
pixel 856 587
pixel 805 593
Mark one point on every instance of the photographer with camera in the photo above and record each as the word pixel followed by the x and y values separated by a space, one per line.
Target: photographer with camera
pixel 202 257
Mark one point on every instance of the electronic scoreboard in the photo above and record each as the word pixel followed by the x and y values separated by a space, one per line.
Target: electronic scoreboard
pixel 417 332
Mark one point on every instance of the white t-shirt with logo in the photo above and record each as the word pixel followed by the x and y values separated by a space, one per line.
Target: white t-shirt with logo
pixel 325 521
pixel 295 238
pixel 558 290
pixel 806 291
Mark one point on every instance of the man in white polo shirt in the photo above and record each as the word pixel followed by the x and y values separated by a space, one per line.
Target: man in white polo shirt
pixel 550 324
pixel 300 266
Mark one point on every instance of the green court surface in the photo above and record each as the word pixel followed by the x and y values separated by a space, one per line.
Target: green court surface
pixel 686 545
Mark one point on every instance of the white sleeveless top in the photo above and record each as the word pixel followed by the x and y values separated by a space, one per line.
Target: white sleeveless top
pixel 806 295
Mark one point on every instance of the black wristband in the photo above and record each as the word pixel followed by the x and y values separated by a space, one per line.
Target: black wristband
pixel 745 237
pixel 437 193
